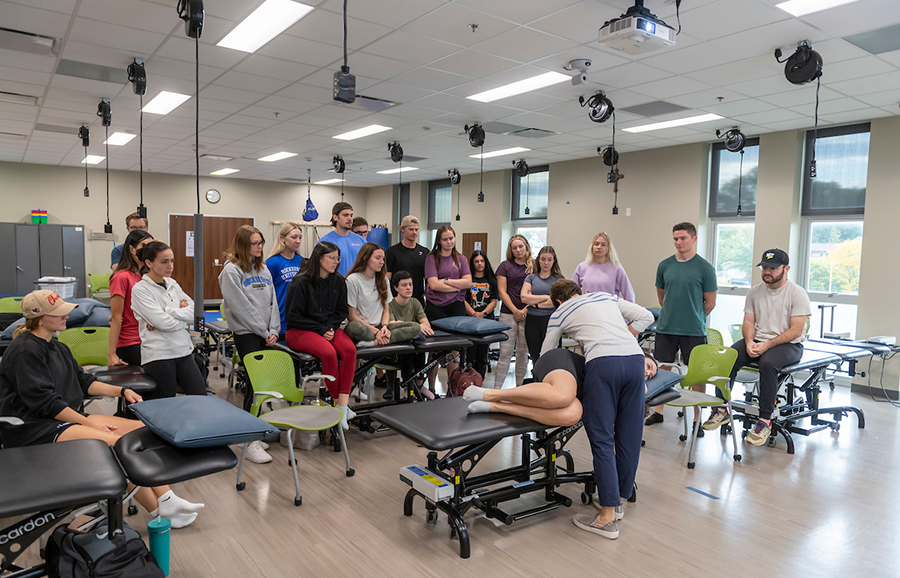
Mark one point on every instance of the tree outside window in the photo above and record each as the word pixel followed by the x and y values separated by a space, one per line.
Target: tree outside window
pixel 834 255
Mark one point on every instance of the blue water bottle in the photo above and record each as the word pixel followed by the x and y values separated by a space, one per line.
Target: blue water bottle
pixel 159 530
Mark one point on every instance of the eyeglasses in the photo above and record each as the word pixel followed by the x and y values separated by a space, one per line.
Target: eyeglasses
pixel 138 228
pixel 335 259
pixel 258 244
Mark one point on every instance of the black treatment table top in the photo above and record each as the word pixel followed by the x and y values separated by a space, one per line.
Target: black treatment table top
pixel 875 348
pixel 812 360
pixel 51 476
pixel 445 424
pixel 151 461
pixel 486 339
pixel 441 341
pixel 846 352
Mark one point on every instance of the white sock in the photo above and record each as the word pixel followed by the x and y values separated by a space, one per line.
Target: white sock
pixel 348 415
pixel 182 520
pixel 171 505
pixel 473 393
pixel 479 406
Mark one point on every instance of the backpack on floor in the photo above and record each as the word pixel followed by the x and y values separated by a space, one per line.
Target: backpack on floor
pixel 461 379
pixel 93 555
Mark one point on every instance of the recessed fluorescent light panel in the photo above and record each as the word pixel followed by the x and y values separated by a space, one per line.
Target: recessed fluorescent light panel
pixel 223 172
pixel 527 85
pixel 265 23
pixel 673 123
pixel 328 182
pixel 277 157
pixel 361 132
pixel 395 171
pixel 500 153
pixel 803 7
pixel 165 102
pixel 119 139
pixel 92 160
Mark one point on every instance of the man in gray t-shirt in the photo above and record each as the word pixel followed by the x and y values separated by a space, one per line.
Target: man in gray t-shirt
pixel 775 314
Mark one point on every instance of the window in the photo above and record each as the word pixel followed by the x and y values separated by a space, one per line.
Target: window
pixel 440 195
pixel 537 236
pixel 730 173
pixel 530 193
pixel 842 161
pixel 834 252
pixel 734 253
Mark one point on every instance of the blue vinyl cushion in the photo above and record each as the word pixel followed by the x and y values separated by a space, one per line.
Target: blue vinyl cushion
pixel 662 381
pixel 470 325
pixel 199 421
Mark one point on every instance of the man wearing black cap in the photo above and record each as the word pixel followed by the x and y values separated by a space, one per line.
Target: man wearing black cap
pixel 775 314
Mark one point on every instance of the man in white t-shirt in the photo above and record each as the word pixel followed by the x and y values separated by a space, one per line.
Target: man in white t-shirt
pixel 775 314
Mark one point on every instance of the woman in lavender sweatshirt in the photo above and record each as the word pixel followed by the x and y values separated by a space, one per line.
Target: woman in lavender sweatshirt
pixel 601 270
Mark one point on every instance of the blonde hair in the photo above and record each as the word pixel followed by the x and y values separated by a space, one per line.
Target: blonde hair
pixel 29 325
pixel 611 256
pixel 284 232
pixel 529 261
pixel 239 252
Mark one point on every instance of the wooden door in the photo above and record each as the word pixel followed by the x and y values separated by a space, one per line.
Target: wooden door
pixel 471 241
pixel 218 232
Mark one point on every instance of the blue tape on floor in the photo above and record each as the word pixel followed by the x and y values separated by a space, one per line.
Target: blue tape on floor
pixel 702 493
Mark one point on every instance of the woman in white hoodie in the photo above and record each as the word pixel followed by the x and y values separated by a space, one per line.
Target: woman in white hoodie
pixel 163 311
pixel 251 307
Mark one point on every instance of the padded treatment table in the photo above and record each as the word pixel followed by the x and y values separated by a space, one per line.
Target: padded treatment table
pixel 801 401
pixel 445 424
pixel 55 480
pixel 850 352
pixel 126 376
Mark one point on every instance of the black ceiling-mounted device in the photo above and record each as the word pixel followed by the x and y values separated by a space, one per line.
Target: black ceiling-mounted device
pixel 521 168
pixel 191 11
pixel 339 165
pixel 734 139
pixel 104 112
pixel 475 134
pixel 396 152
pixel 84 133
pixel 344 89
pixel 455 177
pixel 600 108
pixel 803 66
pixel 137 76
pixel 609 155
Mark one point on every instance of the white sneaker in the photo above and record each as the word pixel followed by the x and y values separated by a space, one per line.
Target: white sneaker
pixel 356 392
pixel 256 454
pixel 263 445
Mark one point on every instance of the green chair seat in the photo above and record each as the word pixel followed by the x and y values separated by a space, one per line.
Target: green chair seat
pixel 304 417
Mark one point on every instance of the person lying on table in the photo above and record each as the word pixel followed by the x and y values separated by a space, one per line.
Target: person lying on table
pixel 43 385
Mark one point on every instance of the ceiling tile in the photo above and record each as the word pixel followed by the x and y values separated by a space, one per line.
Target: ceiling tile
pixel 450 23
pixel 431 79
pixel 691 58
pixel 392 13
pixel 147 16
pixel 524 45
pixel 277 68
pixel 516 11
pixel 726 17
pixel 140 42
pixel 34 20
pixel 410 48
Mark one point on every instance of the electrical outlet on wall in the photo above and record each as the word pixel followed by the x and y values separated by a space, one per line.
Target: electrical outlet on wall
pixel 628 212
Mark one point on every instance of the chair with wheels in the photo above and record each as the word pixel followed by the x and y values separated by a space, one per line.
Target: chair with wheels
pixel 714 336
pixel 272 376
pixel 709 364
pixel 11 305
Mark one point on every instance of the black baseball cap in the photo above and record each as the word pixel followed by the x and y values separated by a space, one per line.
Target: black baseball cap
pixel 774 258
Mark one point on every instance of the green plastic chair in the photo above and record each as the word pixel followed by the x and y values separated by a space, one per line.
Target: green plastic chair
pixel 89 345
pixel 272 376
pixel 99 282
pixel 11 305
pixel 714 336
pixel 709 365
pixel 736 331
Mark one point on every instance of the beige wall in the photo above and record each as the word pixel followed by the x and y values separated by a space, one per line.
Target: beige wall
pixel 380 207
pixel 24 187
pixel 662 187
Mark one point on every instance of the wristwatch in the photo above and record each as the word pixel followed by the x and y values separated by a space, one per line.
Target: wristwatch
pixel 445 280
pixel 122 393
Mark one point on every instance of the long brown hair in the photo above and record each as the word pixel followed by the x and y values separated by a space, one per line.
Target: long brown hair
pixel 362 260
pixel 285 230
pixel 554 270
pixel 436 250
pixel 529 261
pixel 127 260
pixel 29 325
pixel 239 252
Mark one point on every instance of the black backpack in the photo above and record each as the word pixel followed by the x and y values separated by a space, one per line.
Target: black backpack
pixel 93 555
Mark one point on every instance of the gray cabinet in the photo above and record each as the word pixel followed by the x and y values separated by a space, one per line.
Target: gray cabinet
pixel 33 251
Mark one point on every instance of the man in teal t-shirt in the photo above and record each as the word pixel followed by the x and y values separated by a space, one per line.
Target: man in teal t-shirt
pixel 686 287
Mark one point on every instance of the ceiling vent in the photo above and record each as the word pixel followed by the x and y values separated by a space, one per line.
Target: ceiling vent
pixel 57 128
pixel 92 71
pixel 516 130
pixel 655 108
pixel 16 98
pixel 369 103
pixel 878 41
pixel 28 42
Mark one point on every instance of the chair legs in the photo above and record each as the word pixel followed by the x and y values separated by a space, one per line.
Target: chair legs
pixel 690 462
pixel 298 499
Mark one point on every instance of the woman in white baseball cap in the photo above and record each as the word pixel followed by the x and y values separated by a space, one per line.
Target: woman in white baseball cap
pixel 43 385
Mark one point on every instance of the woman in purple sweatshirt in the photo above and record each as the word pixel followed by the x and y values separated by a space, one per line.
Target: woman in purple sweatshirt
pixel 601 270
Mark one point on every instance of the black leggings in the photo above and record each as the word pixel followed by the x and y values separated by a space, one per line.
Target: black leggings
pixel 130 354
pixel 535 331
pixel 181 372
pixel 247 344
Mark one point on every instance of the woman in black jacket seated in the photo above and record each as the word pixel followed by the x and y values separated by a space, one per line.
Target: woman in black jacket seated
pixel 43 385
pixel 316 305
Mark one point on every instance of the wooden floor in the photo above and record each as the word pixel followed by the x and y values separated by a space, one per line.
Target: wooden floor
pixel 827 510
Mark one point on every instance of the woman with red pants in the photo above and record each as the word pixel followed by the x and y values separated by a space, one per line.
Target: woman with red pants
pixel 315 307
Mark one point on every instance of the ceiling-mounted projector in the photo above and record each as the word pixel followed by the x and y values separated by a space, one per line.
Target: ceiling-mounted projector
pixel 637 31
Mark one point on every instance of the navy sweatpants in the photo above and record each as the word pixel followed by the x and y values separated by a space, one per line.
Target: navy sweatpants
pixel 614 419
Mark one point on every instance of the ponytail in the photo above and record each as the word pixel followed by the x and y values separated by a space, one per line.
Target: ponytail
pixel 29 325
pixel 148 253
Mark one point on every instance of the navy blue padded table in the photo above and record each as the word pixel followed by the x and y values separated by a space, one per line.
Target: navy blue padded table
pixel 445 425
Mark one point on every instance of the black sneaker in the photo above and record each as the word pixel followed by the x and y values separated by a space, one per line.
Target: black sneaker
pixel 381 381
pixel 654 419
pixel 388 394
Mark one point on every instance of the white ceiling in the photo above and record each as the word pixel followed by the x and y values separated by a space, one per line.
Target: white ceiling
pixel 422 54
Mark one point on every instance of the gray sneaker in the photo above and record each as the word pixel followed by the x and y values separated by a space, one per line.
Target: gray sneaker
pixel 620 510
pixel 589 523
